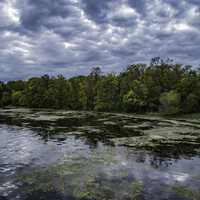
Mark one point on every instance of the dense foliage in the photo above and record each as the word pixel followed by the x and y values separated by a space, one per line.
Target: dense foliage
pixel 160 86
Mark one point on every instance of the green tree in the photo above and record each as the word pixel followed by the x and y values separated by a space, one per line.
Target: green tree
pixel 18 85
pixel 17 98
pixel 108 93
pixel 35 91
pixel 136 98
pixel 160 86
pixel 192 103
pixel 170 102
pixel 1 92
pixel 6 98
pixel 76 92
pixel 89 89
pixel 58 93
pixel 126 78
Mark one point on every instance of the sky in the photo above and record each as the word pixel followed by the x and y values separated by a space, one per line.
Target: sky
pixel 70 37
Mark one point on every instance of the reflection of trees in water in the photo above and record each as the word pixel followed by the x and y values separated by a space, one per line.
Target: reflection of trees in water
pixel 175 150
pixel 50 195
pixel 158 162
pixel 153 159
pixel 114 128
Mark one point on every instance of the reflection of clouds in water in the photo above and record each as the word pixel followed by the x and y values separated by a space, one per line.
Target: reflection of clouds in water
pixel 143 170
pixel 7 188
pixel 169 178
pixel 24 150
pixel 20 146
pixel 180 177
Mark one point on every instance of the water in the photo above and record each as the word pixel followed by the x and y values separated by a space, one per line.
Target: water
pixel 58 155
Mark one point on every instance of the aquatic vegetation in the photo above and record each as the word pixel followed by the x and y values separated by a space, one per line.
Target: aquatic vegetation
pixel 79 185
pixel 43 181
pixel 97 156
pixel 136 131
pixel 93 190
pixel 188 193
pixel 137 190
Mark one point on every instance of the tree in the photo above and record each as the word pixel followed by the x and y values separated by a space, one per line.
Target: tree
pixel 192 103
pixel 6 98
pixel 1 92
pixel 89 89
pixel 170 102
pixel 76 93
pixel 18 85
pixel 58 93
pixel 136 98
pixel 17 98
pixel 160 86
pixel 108 93
pixel 126 78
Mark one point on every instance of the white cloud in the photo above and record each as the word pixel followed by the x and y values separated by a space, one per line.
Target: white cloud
pixel 125 11
pixel 9 13
pixel 182 27
pixel 69 45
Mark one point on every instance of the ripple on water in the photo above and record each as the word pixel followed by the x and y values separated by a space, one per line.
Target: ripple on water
pixel 97 156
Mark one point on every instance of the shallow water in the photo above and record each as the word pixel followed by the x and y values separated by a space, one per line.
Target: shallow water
pixel 58 155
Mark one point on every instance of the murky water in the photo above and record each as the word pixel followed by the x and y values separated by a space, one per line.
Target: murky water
pixel 62 155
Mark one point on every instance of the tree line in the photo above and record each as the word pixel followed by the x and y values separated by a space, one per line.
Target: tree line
pixel 161 86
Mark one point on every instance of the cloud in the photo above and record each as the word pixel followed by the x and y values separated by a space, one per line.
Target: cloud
pixel 72 36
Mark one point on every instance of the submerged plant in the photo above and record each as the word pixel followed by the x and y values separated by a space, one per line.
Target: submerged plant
pixel 185 192
pixel 137 188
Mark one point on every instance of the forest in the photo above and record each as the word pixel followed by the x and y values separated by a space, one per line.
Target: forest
pixel 161 86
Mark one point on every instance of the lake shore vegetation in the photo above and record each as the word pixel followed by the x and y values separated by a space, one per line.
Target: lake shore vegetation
pixel 162 86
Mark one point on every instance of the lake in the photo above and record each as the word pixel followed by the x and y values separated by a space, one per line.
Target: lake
pixel 71 155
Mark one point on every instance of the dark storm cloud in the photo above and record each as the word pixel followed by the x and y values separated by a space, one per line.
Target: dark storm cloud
pixel 37 12
pixel 139 5
pixel 97 10
pixel 72 36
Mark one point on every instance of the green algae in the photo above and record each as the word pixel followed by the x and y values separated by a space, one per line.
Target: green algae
pixel 137 188
pixel 185 192
pixel 101 170
pixel 136 131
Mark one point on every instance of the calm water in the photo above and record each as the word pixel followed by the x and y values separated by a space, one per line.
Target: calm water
pixel 59 155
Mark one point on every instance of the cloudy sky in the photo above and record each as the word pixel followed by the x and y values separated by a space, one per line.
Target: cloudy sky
pixel 70 37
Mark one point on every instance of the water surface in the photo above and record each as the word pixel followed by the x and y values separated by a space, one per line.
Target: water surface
pixel 68 155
